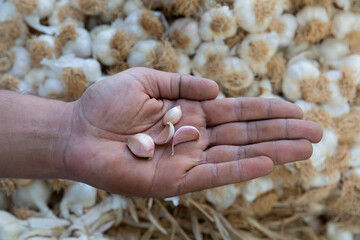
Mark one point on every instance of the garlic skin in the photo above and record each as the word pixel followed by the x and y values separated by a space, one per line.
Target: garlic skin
pixel 255 15
pixel 255 187
pixel 7 11
pixel 322 180
pixel 81 47
pixel 236 78
pixel 344 4
pixel 344 23
pixel 141 145
pixel 165 135
pixel 90 67
pixel 217 23
pixel 339 49
pixel 285 26
pixel 204 58
pixel 222 197
pixel 258 49
pixel 310 13
pixel 173 116
pixel 36 195
pixel 185 134
pixel 21 64
pixel 11 227
pixel 294 75
pixel 185 34
pixel 77 197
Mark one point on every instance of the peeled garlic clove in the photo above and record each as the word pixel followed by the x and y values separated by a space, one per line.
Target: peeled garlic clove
pixel 165 135
pixel 173 115
pixel 141 145
pixel 185 134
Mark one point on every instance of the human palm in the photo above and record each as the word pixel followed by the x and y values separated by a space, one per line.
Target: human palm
pixel 240 138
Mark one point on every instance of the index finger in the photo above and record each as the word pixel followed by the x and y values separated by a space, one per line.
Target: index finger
pixel 227 110
pixel 159 84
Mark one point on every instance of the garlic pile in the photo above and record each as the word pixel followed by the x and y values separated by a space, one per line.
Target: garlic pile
pixel 305 51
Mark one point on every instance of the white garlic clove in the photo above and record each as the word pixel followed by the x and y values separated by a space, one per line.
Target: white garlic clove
pixel 185 134
pixel 173 115
pixel 165 135
pixel 141 145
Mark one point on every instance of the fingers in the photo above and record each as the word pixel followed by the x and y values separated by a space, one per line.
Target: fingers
pixel 166 85
pixel 227 110
pixel 280 152
pixel 214 175
pixel 240 133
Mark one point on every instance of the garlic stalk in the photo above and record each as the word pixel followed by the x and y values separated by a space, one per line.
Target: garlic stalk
pixel 185 134
pixel 141 145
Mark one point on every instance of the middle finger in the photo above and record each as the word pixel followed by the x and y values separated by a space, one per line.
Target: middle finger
pixel 241 133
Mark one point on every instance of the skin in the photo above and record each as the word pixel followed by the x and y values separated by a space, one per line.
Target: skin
pixel 86 140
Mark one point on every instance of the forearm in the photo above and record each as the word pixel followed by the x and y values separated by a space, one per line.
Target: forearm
pixel 33 134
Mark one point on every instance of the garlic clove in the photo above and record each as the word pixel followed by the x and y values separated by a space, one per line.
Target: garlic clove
pixel 173 115
pixel 185 134
pixel 141 145
pixel 165 135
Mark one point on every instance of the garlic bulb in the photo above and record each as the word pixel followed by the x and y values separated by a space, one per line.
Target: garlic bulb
pixel 285 26
pixel 266 89
pixel 112 9
pixel 314 24
pixel 294 76
pixel 255 187
pixel 21 63
pixel 35 77
pixel 141 145
pixel 51 87
pixel 77 197
pixel 217 23
pixel 322 180
pixel 90 67
pixel 184 32
pixel 35 195
pixel 64 12
pixel 144 24
pixel 344 4
pixel 354 160
pixel 339 49
pixel 158 55
pixel 208 59
pixel 101 46
pixel 222 197
pixel 344 23
pixel 325 148
pixel 258 49
pixel 255 15
pixel 236 78
pixel 131 6
pixel 351 63
pixel 73 40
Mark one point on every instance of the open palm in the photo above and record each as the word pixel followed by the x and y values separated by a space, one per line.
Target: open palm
pixel 241 138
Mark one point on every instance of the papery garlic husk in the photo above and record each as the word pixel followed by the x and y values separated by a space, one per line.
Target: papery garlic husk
pixel 173 115
pixel 185 134
pixel 142 145
pixel 165 135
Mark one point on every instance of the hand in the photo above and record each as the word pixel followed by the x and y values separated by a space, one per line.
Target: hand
pixel 241 138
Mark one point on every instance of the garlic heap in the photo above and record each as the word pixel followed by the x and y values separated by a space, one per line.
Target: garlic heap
pixel 305 51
